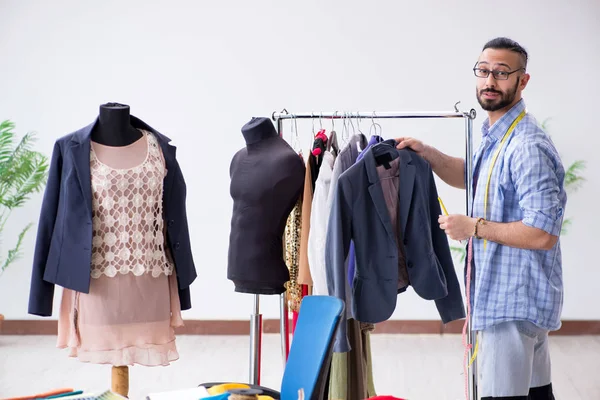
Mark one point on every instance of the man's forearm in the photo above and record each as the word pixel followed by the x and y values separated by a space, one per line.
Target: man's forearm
pixel 516 234
pixel 450 169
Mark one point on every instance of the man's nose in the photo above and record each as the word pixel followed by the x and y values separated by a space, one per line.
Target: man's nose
pixel 490 81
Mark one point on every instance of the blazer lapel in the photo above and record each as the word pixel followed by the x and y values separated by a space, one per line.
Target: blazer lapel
pixel 169 155
pixel 80 150
pixel 376 192
pixel 405 188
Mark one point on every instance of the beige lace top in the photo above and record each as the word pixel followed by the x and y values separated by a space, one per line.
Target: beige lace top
pixel 127 220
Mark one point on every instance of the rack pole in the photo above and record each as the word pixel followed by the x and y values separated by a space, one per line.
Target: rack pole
pixel 284 328
pixel 472 336
pixel 283 308
pixel 255 342
pixel 278 116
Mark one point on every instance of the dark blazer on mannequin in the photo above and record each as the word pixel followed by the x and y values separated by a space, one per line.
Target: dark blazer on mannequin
pixel 63 247
pixel 360 213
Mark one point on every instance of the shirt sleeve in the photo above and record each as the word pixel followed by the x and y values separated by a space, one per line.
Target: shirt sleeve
pixel 536 172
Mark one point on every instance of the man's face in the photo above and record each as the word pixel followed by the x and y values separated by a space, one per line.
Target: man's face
pixel 495 94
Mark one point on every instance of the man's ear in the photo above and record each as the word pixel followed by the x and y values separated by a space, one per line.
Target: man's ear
pixel 524 80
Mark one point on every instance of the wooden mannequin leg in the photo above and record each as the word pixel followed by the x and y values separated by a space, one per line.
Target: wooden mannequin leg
pixel 120 380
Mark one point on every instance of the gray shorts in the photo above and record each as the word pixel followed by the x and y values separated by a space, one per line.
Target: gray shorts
pixel 513 357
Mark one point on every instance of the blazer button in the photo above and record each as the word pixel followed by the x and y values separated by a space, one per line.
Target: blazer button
pixel 170 223
pixel 405 241
pixel 177 246
pixel 409 264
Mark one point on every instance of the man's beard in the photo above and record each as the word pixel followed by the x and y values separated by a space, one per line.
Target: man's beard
pixel 504 100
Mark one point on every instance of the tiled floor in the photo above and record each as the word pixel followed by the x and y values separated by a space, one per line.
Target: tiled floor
pixel 426 367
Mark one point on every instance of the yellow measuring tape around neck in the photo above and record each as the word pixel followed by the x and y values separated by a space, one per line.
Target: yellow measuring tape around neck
pixel 489 177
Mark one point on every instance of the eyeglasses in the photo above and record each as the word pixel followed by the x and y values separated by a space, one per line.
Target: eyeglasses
pixel 498 75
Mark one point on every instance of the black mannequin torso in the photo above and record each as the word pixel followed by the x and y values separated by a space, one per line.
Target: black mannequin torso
pixel 114 127
pixel 267 178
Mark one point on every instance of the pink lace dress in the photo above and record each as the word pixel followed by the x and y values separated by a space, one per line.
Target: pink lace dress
pixel 129 315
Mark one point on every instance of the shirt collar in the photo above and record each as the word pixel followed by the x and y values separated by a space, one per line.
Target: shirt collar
pixel 496 131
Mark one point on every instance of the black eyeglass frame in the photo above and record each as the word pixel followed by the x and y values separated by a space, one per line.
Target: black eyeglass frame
pixel 498 75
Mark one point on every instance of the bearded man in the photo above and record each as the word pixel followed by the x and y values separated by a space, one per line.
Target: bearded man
pixel 518 209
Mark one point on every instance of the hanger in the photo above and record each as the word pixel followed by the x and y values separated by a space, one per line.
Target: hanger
pixel 332 144
pixel 375 125
pixel 385 152
pixel 351 124
pixel 319 139
pixel 296 138
pixel 345 129
pixel 358 122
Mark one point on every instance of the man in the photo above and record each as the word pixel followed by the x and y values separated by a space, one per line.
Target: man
pixel 517 217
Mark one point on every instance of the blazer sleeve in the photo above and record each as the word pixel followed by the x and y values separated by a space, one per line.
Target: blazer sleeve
pixel 337 244
pixel 41 293
pixel 450 307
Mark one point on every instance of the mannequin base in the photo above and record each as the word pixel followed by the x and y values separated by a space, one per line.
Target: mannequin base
pixel 120 380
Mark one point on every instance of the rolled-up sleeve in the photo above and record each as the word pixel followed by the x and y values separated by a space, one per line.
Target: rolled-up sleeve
pixel 537 174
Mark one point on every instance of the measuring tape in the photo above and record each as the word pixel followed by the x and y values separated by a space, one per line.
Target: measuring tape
pixel 468 364
pixel 489 177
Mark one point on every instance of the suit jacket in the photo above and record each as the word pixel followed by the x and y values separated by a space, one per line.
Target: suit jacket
pixel 63 247
pixel 360 214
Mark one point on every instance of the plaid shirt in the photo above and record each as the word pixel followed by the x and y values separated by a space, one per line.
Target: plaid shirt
pixel 526 185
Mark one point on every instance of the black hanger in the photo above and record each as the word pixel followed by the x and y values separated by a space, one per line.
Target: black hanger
pixel 385 152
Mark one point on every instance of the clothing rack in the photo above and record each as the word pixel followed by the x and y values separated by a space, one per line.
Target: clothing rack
pixel 279 117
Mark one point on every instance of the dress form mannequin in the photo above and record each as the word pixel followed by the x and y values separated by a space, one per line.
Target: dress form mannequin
pixel 267 178
pixel 113 127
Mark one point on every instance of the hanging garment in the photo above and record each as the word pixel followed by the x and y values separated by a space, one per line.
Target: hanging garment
pixel 129 315
pixel 356 363
pixel 63 249
pixel 293 229
pixel 351 258
pixel 352 372
pixel 343 161
pixel 360 213
pixel 293 235
pixel 304 277
pixel 318 226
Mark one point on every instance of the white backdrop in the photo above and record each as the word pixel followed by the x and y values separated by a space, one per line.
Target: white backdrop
pixel 197 71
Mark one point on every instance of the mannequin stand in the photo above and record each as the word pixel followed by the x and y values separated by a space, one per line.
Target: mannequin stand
pixel 255 342
pixel 256 337
pixel 120 380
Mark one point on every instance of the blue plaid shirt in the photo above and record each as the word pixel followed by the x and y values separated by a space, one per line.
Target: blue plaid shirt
pixel 526 185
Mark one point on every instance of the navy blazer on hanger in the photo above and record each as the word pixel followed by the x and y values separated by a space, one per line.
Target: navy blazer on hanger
pixel 63 249
pixel 360 213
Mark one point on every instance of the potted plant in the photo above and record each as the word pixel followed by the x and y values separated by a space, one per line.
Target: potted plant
pixel 23 171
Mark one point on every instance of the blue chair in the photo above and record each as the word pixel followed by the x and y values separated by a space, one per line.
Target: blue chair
pixel 311 351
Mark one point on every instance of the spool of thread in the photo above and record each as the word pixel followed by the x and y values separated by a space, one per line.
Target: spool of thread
pixel 244 394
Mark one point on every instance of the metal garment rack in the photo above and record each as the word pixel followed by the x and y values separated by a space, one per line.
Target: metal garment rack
pixel 279 117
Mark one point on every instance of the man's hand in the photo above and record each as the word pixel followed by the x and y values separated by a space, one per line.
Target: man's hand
pixel 458 227
pixel 412 143
pixel 450 169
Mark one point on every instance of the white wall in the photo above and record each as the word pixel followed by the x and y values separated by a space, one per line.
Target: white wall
pixel 197 71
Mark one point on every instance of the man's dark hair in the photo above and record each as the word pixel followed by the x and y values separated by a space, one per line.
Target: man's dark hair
pixel 503 43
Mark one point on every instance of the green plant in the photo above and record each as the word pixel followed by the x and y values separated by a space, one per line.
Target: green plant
pixel 23 171
pixel 573 181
